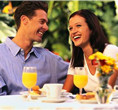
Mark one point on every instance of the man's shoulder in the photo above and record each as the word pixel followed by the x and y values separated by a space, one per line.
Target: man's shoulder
pixel 2 46
pixel 43 51
pixel 3 50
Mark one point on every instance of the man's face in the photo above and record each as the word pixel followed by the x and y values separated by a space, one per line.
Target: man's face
pixel 37 26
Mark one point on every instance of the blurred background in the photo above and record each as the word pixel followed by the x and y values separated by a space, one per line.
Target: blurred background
pixel 56 39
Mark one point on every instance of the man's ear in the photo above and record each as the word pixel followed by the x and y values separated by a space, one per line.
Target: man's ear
pixel 24 19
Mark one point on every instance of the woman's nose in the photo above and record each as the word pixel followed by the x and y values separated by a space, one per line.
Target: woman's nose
pixel 74 31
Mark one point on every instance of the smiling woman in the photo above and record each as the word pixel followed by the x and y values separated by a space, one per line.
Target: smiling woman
pixel 79 31
pixel 87 36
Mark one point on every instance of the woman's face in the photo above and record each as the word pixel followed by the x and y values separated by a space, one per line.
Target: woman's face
pixel 79 31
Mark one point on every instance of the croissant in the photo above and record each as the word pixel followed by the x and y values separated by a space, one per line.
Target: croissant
pixel 36 89
pixel 87 96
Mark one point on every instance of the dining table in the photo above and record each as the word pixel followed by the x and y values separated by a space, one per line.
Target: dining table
pixel 18 102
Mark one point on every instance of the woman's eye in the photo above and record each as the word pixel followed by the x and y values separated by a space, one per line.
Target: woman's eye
pixel 70 28
pixel 78 25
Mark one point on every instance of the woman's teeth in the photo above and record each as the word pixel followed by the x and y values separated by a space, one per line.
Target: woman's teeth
pixel 76 37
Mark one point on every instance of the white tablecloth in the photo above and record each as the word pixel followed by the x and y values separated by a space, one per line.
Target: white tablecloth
pixel 17 102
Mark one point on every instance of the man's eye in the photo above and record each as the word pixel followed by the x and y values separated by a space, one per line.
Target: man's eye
pixel 42 22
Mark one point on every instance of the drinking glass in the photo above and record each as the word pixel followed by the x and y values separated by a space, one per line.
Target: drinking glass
pixel 29 78
pixel 80 78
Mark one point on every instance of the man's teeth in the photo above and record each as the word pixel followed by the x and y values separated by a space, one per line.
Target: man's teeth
pixel 76 37
pixel 41 33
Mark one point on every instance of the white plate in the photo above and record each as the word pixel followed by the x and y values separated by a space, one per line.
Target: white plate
pixel 88 101
pixel 64 93
pixel 54 100
pixel 34 96
pixel 24 93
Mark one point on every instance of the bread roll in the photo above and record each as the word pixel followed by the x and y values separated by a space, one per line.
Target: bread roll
pixel 87 96
pixel 36 89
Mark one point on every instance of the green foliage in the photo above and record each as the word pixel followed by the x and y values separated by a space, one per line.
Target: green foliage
pixel 57 37
pixel 105 10
pixel 57 34
pixel 6 26
pixel 61 49
pixel 73 6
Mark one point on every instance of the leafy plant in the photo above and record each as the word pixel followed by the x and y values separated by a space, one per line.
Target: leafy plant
pixel 57 37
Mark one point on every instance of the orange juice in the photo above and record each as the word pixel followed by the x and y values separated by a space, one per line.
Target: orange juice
pixel 29 79
pixel 80 81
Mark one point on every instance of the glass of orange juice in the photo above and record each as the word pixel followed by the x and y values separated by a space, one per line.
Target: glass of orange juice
pixel 29 78
pixel 80 78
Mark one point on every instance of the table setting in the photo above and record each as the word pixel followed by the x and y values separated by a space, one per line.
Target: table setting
pixel 50 93
pixel 16 102
pixel 53 92
pixel 40 102
pixel 52 96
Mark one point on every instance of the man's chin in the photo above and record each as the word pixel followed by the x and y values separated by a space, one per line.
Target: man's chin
pixel 38 40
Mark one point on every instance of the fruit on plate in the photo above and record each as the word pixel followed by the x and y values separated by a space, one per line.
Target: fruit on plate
pixel 87 96
pixel 36 90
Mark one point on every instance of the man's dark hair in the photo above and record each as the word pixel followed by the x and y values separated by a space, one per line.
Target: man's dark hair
pixel 28 8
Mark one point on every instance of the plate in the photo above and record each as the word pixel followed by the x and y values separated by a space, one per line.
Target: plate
pixel 88 98
pixel 32 95
pixel 88 101
pixel 24 94
pixel 54 100
pixel 64 93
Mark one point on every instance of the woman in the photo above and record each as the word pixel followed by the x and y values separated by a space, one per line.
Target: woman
pixel 87 36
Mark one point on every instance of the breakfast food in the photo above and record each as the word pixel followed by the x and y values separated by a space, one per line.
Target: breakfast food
pixel 87 96
pixel 36 90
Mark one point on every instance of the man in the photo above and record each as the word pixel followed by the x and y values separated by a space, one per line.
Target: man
pixel 31 20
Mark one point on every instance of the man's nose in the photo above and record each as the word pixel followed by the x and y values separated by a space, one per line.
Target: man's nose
pixel 45 27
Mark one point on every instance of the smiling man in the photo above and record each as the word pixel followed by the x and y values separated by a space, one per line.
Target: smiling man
pixel 31 20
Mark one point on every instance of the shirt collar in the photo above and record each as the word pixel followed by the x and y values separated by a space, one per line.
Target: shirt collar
pixel 33 50
pixel 14 48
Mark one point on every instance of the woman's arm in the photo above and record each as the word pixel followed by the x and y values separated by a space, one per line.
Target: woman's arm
pixel 113 78
pixel 112 51
pixel 68 85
